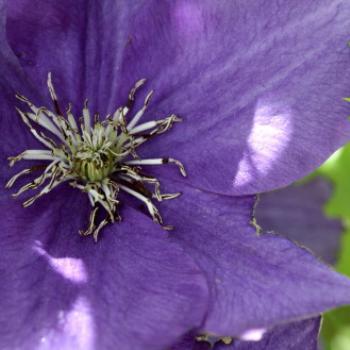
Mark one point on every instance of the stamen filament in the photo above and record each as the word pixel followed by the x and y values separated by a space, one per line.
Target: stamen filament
pixel 158 161
pixel 140 113
pixel 34 155
pixel 87 118
pixel 96 157
pixel 151 208
pixel 14 178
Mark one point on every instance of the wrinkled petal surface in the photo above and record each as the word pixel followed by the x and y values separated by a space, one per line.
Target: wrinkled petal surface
pixel 134 289
pixel 259 84
pixel 300 335
pixel 256 281
pixel 297 213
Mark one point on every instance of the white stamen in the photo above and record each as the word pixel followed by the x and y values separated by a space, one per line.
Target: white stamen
pixel 102 224
pixel 44 121
pixel 158 161
pixel 92 226
pixel 14 178
pixel 151 208
pixel 87 118
pixel 98 158
pixel 138 84
pixel 51 88
pixel 144 127
pixel 34 155
pixel 32 130
pixel 71 119
pixel 140 113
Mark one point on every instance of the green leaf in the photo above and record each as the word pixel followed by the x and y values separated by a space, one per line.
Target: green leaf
pixel 336 325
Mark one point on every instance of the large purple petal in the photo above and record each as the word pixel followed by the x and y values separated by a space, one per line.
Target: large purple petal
pixel 134 289
pixel 292 336
pixel 297 213
pixel 256 281
pixel 259 84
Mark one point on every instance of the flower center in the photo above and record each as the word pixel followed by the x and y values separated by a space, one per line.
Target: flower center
pixel 92 165
pixel 97 157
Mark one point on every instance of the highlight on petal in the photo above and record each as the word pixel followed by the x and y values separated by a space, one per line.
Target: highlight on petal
pixel 253 335
pixel 75 329
pixel 72 269
pixel 268 138
pixel 297 213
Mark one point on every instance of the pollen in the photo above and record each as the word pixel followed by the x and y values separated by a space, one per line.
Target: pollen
pixel 97 157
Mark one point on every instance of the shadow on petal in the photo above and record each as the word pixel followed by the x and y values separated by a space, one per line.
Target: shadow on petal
pixel 297 213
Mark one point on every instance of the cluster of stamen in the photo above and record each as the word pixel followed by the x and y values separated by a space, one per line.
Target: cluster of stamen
pixel 97 157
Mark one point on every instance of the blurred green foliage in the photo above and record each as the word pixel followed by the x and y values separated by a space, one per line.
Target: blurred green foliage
pixel 336 324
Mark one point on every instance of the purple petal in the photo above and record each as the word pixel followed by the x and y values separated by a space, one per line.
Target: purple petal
pixel 15 136
pixel 134 289
pixel 297 213
pixel 292 336
pixel 260 85
pixel 296 336
pixel 256 281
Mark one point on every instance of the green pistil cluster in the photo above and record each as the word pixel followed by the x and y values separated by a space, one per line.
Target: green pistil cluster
pixel 97 157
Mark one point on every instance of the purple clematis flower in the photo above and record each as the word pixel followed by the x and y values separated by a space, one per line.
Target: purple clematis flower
pixel 259 86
